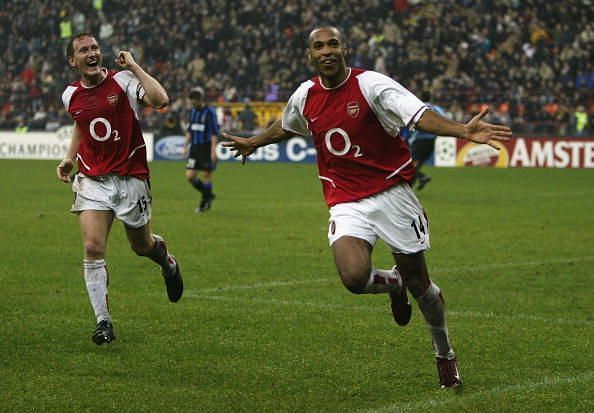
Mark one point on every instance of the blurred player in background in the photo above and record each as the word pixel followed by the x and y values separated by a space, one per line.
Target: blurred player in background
pixel 113 177
pixel 422 145
pixel 365 168
pixel 201 143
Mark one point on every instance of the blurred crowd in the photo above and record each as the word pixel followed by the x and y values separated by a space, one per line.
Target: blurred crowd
pixel 530 61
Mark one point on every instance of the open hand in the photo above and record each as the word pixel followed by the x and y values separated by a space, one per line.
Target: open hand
pixel 241 146
pixel 479 131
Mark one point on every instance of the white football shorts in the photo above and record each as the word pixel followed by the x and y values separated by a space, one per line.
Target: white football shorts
pixel 129 198
pixel 395 216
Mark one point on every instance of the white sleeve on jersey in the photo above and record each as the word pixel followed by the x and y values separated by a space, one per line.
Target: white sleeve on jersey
pixel 293 119
pixel 133 88
pixel 392 103
pixel 67 95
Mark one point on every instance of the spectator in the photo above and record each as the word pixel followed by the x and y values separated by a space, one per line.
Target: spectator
pixel 171 125
pixel 228 121
pixel 39 120
pixel 65 25
pixel 248 118
pixel 531 48
pixel 21 126
pixel 580 121
pixel 272 90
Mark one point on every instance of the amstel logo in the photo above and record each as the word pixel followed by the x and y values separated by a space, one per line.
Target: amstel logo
pixel 472 154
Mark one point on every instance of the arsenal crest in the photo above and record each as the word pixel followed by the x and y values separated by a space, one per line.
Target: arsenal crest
pixel 112 99
pixel 353 109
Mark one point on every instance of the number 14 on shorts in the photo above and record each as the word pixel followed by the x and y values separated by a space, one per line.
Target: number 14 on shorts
pixel 419 228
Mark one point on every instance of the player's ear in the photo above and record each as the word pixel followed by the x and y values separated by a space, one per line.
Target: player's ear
pixel 71 61
pixel 308 54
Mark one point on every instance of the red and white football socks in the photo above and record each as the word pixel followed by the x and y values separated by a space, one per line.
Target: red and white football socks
pixel 383 281
pixel 160 255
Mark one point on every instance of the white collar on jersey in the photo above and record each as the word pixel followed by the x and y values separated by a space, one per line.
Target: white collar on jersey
pixel 104 71
pixel 341 83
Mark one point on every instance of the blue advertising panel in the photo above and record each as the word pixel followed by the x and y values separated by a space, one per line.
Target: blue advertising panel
pixel 297 149
pixel 169 148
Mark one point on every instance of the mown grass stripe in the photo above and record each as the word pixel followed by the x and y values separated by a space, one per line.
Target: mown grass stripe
pixel 438 270
pixel 500 390
pixel 460 314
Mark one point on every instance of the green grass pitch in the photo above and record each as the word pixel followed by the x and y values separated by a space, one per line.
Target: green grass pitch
pixel 265 324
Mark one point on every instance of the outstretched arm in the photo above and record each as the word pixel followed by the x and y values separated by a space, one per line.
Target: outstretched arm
pixel 246 146
pixel 476 130
pixel 155 96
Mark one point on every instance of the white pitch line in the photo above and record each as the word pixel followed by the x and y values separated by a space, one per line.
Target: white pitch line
pixel 431 270
pixel 501 390
pixel 204 293
pixel 553 195
pixel 519 317
pixel 264 285
pixel 461 314
pixel 275 301
pixel 513 264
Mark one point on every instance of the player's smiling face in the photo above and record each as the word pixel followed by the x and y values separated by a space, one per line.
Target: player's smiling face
pixel 326 53
pixel 87 58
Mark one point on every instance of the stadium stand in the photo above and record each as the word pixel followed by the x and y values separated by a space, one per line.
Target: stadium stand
pixel 531 61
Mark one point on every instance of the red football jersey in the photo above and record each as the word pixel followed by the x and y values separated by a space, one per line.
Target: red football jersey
pixel 355 127
pixel 107 117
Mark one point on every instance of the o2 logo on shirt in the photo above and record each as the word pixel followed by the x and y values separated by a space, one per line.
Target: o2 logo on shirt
pixel 347 143
pixel 108 132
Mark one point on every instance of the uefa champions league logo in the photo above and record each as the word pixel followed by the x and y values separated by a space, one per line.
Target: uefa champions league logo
pixel 64 133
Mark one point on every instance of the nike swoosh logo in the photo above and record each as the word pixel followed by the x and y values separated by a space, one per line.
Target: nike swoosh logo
pixel 314 119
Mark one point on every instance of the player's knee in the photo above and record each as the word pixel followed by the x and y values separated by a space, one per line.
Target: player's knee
pixel 94 250
pixel 141 250
pixel 355 288
pixel 417 285
pixel 353 281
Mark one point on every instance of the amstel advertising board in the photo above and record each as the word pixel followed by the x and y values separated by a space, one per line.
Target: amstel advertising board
pixel 519 152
